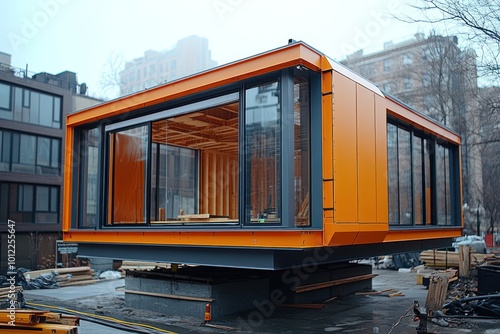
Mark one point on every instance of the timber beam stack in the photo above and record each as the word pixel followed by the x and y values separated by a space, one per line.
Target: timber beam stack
pixel 27 321
pixel 5 292
pixel 68 276
pixel 445 259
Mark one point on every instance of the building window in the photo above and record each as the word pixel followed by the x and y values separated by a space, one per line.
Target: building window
pixel 367 70
pixel 407 59
pixel 24 153
pixel 426 80
pixel 30 203
pixel 387 65
pixel 5 96
pixel 420 179
pixel 408 83
pixel 263 144
pixel 27 106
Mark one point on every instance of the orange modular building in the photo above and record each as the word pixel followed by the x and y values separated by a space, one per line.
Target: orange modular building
pixel 270 162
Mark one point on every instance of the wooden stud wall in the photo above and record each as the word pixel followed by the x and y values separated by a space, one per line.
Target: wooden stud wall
pixel 219 184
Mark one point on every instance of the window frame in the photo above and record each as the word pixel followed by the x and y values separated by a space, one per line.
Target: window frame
pixel 452 175
pixel 9 108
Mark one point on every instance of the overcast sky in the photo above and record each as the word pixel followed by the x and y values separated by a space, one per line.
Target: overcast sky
pixel 79 36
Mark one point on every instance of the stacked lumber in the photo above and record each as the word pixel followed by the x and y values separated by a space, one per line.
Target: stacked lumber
pixel 4 292
pixel 445 259
pixel 68 276
pixel 138 265
pixel 38 321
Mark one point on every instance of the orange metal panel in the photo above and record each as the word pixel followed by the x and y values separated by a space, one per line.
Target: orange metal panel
pixel 340 234
pixel 328 194
pixel 420 121
pixel 327 83
pixel 371 233
pixel 433 233
pixel 288 56
pixel 327 137
pixel 381 160
pixel 367 193
pixel 68 173
pixel 344 149
pixel 263 238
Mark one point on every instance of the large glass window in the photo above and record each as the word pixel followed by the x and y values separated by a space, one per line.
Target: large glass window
pixel 418 172
pixel 128 153
pixel 187 165
pixel 400 175
pixel 414 161
pixel 91 141
pixel 263 153
pixel 301 157
pixel 443 185
pixel 173 181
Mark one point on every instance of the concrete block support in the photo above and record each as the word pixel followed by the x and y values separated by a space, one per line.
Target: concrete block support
pixel 186 294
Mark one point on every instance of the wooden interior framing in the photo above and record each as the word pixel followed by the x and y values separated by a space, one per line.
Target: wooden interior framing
pixel 214 132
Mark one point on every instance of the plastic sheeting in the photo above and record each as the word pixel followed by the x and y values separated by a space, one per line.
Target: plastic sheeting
pixel 45 281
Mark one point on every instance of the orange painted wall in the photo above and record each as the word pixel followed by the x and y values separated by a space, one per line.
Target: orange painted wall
pixel 359 166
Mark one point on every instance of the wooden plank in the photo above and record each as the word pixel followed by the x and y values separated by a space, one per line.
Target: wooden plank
pixel 464 261
pixel 165 295
pixel 436 295
pixel 63 319
pixel 322 285
pixel 60 271
pixel 20 318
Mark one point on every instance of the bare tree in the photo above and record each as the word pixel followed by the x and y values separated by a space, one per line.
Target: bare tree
pixel 111 82
pixel 490 148
pixel 476 20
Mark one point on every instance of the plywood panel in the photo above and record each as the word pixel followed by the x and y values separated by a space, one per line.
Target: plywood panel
pixel 367 204
pixel 128 180
pixel 344 149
